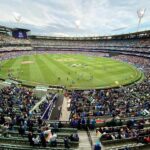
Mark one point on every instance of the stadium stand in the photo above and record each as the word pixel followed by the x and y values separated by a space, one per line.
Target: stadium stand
pixel 20 126
pixel 9 43
pixel 112 118
pixel 135 43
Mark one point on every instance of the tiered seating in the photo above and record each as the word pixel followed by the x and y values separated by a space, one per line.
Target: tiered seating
pixel 13 137
pixel 129 135
pixel 17 122
pixel 111 103
pixel 123 104
pixel 120 45
pixel 88 108
pixel 8 43
pixel 136 46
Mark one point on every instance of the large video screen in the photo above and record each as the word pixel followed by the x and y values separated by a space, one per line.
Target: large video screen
pixel 19 34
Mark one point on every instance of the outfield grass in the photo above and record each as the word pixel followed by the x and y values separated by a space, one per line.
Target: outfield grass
pixel 71 71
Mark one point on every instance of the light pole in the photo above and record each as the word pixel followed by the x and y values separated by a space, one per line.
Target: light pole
pixel 140 14
pixel 77 26
pixel 17 17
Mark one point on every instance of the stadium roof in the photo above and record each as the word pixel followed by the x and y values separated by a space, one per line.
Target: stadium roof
pixel 4 28
pixel 124 36
pixel 15 29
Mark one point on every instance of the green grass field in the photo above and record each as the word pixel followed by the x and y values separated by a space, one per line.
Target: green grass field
pixel 72 71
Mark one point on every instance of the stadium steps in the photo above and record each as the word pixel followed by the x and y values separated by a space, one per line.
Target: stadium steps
pixel 116 144
pixel 68 130
pixel 84 143
pixel 95 139
pixel 20 147
pixel 56 110
pixel 24 142
pixel 121 145
pixel 60 135
pixel 135 146
pixel 38 103
pixel 65 113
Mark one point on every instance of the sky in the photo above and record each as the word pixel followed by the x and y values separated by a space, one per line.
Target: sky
pixel 75 17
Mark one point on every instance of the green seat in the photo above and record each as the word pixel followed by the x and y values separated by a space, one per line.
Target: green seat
pixel 24 141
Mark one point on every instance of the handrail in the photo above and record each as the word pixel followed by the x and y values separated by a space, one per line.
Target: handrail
pixel 89 137
pixel 49 108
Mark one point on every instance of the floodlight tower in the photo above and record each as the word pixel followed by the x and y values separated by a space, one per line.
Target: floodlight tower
pixel 17 17
pixel 77 25
pixel 140 14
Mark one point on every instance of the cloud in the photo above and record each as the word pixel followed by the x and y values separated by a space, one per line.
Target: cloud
pixel 75 17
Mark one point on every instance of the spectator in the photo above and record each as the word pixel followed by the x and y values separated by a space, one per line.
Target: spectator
pixel 74 137
pixel 53 140
pixel 97 146
pixel 66 142
pixel 30 138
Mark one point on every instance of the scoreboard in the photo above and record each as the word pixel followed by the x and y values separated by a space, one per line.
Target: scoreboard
pixel 20 33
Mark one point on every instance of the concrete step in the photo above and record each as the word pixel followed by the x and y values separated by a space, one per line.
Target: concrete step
pixel 84 141
pixel 95 138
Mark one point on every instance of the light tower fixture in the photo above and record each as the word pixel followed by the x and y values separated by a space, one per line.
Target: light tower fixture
pixel 140 14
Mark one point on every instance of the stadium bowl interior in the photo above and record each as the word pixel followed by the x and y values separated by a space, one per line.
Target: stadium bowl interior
pixel 74 92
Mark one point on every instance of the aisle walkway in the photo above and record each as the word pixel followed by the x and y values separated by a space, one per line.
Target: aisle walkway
pixel 57 109
pixel 84 141
pixel 94 138
pixel 65 113
pixel 38 103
